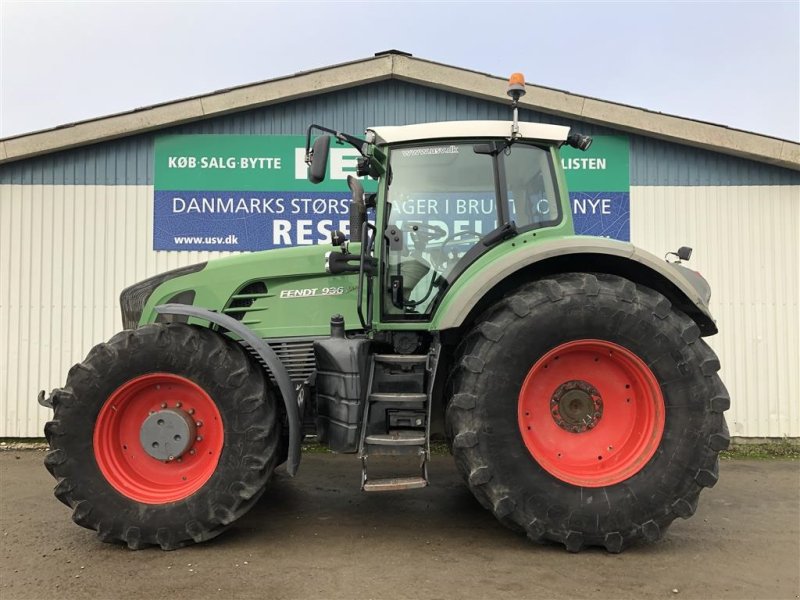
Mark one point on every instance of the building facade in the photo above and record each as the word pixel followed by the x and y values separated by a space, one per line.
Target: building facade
pixel 77 217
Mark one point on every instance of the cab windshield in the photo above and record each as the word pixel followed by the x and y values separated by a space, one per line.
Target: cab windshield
pixel 443 200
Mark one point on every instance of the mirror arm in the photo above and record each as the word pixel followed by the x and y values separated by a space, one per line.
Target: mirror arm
pixel 357 143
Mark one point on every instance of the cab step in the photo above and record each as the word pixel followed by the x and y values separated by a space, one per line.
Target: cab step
pixel 401 359
pixel 397 416
pixel 400 398
pixel 397 438
pixel 395 484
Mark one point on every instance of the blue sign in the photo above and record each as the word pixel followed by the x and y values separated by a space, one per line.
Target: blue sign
pixel 604 214
pixel 210 194
pixel 217 220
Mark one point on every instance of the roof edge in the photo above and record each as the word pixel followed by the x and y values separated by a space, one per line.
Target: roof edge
pixel 397 65
pixel 194 108
pixel 709 136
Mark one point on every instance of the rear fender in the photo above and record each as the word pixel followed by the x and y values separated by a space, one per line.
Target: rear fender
pixel 489 279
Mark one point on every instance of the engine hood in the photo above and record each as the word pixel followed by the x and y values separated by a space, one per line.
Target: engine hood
pixel 278 293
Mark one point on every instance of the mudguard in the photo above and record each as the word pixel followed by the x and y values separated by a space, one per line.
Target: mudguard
pixel 270 359
pixel 681 285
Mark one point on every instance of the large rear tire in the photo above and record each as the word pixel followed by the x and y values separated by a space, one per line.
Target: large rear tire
pixel 586 410
pixel 186 392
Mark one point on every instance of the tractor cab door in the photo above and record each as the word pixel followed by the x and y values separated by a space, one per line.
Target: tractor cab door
pixel 447 204
pixel 441 200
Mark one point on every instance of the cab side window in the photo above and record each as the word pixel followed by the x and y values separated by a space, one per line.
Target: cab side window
pixel 530 186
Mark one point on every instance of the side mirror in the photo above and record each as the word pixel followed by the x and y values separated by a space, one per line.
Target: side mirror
pixel 319 159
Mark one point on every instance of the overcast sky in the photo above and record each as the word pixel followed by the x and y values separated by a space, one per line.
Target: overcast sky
pixel 737 64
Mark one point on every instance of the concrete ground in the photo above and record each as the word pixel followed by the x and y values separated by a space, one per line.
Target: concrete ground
pixel 318 536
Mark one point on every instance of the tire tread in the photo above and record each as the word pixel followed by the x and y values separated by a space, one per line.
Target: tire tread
pixel 172 345
pixel 465 421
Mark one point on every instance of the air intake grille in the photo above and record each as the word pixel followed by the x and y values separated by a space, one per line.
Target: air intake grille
pixel 296 354
pixel 241 301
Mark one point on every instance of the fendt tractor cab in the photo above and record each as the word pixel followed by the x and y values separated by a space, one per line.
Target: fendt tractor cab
pixel 567 373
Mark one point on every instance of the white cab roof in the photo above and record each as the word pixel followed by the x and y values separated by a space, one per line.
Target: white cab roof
pixel 467 129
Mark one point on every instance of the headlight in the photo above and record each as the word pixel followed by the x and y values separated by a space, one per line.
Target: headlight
pixel 133 298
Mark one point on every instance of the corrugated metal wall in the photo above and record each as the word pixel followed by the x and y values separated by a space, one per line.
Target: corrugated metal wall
pixel 65 254
pixel 67 251
pixel 76 227
pixel 746 242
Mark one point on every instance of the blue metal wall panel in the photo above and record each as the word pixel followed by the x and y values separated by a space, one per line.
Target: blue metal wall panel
pixel 130 160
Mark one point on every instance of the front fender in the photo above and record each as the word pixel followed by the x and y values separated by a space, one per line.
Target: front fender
pixel 528 258
pixel 270 359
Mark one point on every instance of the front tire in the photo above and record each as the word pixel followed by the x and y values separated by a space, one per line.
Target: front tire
pixel 587 411
pixel 163 436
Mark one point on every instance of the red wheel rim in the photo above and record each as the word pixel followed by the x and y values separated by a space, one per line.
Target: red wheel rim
pixel 591 413
pixel 124 462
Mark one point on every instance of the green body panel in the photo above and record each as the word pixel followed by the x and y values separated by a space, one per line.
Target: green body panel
pixel 284 270
pixel 520 246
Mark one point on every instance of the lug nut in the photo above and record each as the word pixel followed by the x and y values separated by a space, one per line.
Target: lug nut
pixel 178 405
pixel 191 411
pixel 192 451
pixel 199 438
pixel 163 405
pixel 199 423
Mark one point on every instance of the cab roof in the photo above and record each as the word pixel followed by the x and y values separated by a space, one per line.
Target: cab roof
pixel 449 130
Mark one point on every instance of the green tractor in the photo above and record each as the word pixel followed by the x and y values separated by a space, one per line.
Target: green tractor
pixel 567 373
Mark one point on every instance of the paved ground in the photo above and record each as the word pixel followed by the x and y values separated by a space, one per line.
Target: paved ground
pixel 317 536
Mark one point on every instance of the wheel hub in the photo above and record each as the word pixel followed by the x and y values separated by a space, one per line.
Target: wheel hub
pixel 576 406
pixel 167 434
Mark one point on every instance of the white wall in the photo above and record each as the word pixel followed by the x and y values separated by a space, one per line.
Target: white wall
pixel 746 242
pixel 67 251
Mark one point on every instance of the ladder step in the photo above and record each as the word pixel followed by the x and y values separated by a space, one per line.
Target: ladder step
pixel 397 438
pixel 397 397
pixel 401 359
pixel 391 485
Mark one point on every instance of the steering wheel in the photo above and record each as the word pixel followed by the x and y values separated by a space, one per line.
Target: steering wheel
pixel 445 255
pixel 424 232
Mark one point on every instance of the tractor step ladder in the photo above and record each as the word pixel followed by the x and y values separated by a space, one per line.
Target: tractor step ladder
pixel 400 387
